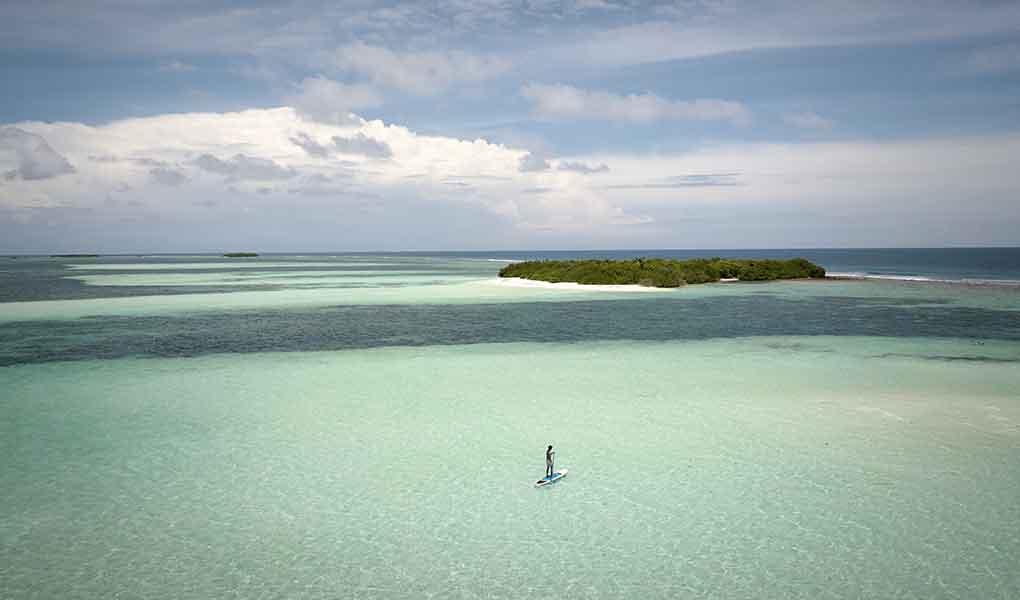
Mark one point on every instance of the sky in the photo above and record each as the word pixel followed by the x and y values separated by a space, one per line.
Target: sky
pixel 312 125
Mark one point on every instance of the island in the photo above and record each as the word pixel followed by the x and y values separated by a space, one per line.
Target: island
pixel 661 272
pixel 241 254
pixel 74 256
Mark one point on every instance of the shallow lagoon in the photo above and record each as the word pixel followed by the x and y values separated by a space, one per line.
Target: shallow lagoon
pixel 768 468
pixel 713 457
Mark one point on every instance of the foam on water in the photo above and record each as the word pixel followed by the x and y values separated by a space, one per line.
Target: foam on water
pixel 774 467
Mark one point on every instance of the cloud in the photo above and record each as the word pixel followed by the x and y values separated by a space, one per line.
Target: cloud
pixel 145 161
pixel 357 144
pixel 531 162
pixel 167 176
pixel 104 158
pixel 952 190
pixel 535 163
pixel 996 59
pixel 537 32
pixel 559 100
pixel 312 147
pixel 244 167
pixel 808 120
pixel 697 29
pixel 418 72
pixel 696 180
pixel 251 149
pixel 33 155
pixel 326 101
pixel 582 168
pixel 362 145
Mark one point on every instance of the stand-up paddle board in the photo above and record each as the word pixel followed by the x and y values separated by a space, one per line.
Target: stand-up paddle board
pixel 551 478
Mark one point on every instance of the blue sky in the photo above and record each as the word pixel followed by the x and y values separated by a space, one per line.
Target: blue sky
pixel 571 124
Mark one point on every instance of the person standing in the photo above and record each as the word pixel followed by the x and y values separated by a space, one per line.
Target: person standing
pixel 549 455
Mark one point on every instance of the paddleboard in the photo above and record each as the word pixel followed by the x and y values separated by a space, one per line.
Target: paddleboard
pixel 551 478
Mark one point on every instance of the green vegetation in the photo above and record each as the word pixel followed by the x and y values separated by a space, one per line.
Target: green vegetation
pixel 660 272
pixel 241 254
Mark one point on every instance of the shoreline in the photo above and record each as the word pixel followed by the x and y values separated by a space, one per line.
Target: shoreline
pixel 520 282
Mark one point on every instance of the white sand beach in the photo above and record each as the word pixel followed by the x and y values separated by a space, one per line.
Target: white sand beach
pixel 576 287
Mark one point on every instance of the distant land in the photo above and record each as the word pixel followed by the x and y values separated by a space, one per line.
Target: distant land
pixel 241 254
pixel 74 256
pixel 659 272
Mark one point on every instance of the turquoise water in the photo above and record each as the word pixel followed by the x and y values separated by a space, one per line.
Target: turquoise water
pixel 822 440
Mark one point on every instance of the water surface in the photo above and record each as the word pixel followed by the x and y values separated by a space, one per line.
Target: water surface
pixel 371 427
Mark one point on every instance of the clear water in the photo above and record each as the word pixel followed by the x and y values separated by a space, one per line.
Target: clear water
pixel 789 440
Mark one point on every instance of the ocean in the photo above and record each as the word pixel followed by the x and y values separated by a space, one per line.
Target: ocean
pixel 370 425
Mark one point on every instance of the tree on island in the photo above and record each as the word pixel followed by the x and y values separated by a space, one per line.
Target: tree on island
pixel 661 272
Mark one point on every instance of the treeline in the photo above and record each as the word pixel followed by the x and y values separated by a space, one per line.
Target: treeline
pixel 661 272
pixel 241 254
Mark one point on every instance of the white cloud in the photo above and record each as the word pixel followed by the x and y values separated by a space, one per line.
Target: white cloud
pixel 536 163
pixel 418 72
pixel 535 32
pixel 326 101
pixel 960 190
pixel 32 154
pixel 309 145
pixel 363 145
pixel 924 192
pixel 695 29
pixel 168 176
pixel 566 101
pixel 218 156
pixel 675 182
pixel 808 120
pixel 244 167
pixel 582 168
pixel 532 162
pixel 358 144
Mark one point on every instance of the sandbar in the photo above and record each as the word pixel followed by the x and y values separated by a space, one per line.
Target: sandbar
pixel 576 287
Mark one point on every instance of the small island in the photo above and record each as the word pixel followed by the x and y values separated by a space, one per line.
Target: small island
pixel 661 272
pixel 74 256
pixel 241 254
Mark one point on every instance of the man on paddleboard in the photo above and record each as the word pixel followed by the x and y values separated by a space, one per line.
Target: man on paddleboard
pixel 549 454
